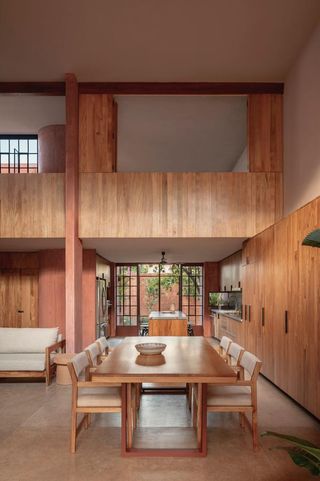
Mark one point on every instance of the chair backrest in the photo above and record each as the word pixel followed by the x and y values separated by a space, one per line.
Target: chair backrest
pixel 251 364
pixel 79 362
pixel 235 352
pixel 93 353
pixel 103 344
pixel 225 343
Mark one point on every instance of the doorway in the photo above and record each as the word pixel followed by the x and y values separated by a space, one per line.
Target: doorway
pixel 142 288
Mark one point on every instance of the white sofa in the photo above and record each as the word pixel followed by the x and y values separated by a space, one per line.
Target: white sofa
pixel 29 352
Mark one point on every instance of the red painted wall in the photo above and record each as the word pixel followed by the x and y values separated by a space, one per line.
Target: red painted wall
pixel 88 297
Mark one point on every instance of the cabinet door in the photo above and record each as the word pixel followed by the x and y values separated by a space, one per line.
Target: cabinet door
pixel 267 302
pixel 304 299
pixel 280 296
pixel 18 298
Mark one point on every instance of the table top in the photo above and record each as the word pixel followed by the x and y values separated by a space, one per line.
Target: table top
pixel 185 359
pixel 167 315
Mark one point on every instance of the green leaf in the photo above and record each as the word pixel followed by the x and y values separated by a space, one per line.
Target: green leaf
pixel 303 453
pixel 292 439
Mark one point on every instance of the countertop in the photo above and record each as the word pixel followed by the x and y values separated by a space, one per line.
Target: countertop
pixel 227 313
pixel 167 315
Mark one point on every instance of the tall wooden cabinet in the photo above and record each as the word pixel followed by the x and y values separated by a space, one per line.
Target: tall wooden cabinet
pixel 281 295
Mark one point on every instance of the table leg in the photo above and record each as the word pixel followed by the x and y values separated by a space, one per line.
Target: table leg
pixel 123 419
pixel 129 415
pixel 203 447
pixel 199 415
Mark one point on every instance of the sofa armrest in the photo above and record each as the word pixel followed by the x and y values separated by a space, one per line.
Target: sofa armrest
pixel 57 345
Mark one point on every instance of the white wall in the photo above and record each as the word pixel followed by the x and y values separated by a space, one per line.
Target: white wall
pixel 26 114
pixel 242 163
pixel 302 127
pixel 180 134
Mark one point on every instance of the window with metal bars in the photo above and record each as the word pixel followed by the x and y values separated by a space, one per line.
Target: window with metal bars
pixel 18 154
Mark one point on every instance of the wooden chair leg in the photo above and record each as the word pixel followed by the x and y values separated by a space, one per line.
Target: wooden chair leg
pixel 255 431
pixel 73 431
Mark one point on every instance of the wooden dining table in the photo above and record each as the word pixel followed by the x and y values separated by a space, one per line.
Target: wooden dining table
pixel 190 360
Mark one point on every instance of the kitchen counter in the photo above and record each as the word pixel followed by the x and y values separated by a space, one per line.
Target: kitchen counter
pixel 167 315
pixel 232 314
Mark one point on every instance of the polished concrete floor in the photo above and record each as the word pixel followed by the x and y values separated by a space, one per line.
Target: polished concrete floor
pixel 34 440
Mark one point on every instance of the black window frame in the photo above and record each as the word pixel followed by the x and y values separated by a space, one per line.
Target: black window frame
pixel 16 168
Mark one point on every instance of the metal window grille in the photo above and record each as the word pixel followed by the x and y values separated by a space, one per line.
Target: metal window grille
pixel 18 154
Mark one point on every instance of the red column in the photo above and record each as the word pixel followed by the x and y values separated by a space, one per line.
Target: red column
pixel 73 247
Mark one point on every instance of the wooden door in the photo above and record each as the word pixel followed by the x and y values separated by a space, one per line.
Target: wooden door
pixel 267 302
pixel 281 308
pixel 19 298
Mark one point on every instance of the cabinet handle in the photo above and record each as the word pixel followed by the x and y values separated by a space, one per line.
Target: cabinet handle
pixel 225 288
pixel 249 313
pixel 286 322
pixel 231 288
pixel 239 284
pixel 245 312
pixel 262 316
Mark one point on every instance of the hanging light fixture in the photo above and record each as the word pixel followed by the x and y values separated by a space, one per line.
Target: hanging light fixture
pixel 163 259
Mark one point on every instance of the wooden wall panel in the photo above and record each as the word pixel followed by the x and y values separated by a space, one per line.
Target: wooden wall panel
pixel 282 276
pixel 177 204
pixel 52 302
pixel 32 205
pixel 97 129
pixel 265 132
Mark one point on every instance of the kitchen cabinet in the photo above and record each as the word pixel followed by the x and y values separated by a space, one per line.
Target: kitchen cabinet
pixel 225 326
pixel 230 272
pixel 281 292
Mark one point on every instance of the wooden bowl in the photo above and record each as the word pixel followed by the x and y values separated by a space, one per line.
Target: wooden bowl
pixel 154 360
pixel 150 348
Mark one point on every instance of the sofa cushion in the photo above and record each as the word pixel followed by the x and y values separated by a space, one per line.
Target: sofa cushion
pixel 31 339
pixel 23 362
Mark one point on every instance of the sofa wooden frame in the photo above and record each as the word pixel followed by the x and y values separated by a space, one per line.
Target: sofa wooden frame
pixel 48 371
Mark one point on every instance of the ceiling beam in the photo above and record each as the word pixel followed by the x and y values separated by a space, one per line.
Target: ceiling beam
pixel 33 88
pixel 145 88
pixel 180 88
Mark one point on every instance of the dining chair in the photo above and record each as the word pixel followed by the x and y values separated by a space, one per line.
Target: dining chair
pixel 234 355
pixel 223 346
pixel 239 397
pixel 94 355
pixel 103 345
pixel 88 397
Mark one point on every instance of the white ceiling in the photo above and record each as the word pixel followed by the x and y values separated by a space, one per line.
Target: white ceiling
pixel 150 40
pixel 138 250
pixel 177 250
pixel 180 134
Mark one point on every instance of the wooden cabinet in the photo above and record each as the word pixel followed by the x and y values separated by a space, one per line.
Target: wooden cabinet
pixel 230 272
pixel 225 326
pixel 281 292
pixel 19 298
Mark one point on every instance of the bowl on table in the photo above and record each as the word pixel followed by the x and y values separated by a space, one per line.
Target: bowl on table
pixel 150 348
